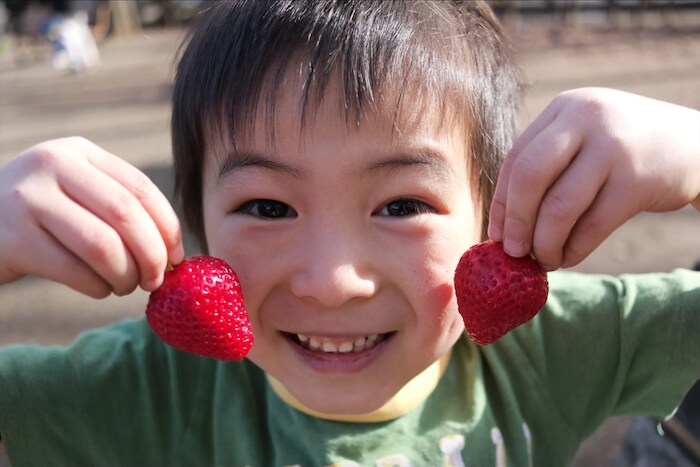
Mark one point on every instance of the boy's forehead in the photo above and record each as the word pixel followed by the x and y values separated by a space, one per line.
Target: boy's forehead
pixel 382 139
pixel 293 111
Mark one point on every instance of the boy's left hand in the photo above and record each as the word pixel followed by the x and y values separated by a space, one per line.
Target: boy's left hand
pixel 593 159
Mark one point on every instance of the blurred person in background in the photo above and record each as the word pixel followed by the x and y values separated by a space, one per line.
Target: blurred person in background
pixel 68 32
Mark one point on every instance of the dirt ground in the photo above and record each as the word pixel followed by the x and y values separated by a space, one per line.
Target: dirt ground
pixel 123 106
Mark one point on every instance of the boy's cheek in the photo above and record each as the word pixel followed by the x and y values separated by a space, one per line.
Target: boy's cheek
pixel 441 298
pixel 442 311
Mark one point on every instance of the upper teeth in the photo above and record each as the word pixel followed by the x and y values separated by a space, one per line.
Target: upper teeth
pixel 325 344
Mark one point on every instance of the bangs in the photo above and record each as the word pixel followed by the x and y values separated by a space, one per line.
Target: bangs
pixel 398 56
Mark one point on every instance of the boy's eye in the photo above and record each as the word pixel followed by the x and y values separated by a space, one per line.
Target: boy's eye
pixel 266 209
pixel 405 207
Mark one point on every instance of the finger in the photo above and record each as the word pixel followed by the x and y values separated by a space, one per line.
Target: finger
pixel 534 171
pixel 499 201
pixel 497 211
pixel 565 203
pixel 59 265
pixel 605 216
pixel 122 211
pixel 92 240
pixel 152 199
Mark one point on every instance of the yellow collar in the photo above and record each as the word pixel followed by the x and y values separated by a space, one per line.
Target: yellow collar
pixel 412 394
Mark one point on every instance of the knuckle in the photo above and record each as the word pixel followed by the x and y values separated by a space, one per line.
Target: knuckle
pixel 79 141
pixel 556 207
pixel 78 146
pixel 50 155
pixel 41 158
pixel 142 186
pixel 151 266
pixel 498 201
pixel 528 169
pixel 21 200
pixel 122 209
pixel 592 228
pixel 517 225
pixel 98 291
pixel 618 145
pixel 590 103
pixel 104 248
pixel 586 236
pixel 101 246
pixel 154 259
pixel 125 288
pixel 76 141
pixel 574 254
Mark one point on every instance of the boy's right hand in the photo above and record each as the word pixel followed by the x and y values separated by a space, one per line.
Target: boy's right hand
pixel 76 214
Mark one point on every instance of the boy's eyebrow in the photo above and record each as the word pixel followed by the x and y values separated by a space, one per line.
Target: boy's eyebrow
pixel 433 159
pixel 239 160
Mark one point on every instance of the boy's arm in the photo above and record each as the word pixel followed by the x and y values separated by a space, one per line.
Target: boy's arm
pixel 76 214
pixel 593 159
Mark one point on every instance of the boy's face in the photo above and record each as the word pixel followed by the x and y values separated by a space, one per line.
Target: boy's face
pixel 345 240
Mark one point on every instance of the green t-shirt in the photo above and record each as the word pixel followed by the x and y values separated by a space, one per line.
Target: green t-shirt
pixel 601 346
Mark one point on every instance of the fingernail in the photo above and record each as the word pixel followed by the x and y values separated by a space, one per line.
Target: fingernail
pixel 514 248
pixel 178 255
pixel 495 233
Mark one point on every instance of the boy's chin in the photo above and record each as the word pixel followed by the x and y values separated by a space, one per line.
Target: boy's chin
pixel 334 403
pixel 341 406
pixel 377 382
pixel 378 398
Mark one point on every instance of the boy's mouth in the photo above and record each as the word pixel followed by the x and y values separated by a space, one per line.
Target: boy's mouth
pixel 338 345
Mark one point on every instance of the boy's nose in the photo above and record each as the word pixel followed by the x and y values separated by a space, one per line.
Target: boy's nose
pixel 333 269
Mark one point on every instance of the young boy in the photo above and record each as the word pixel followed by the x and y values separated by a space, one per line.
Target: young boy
pixel 341 156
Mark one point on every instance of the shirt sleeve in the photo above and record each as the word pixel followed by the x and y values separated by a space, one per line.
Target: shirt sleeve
pixel 605 346
pixel 104 398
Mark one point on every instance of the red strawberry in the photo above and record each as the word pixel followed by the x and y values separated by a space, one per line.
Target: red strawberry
pixel 199 309
pixel 497 292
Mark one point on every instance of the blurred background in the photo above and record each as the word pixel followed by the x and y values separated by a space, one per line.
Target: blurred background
pixel 103 70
